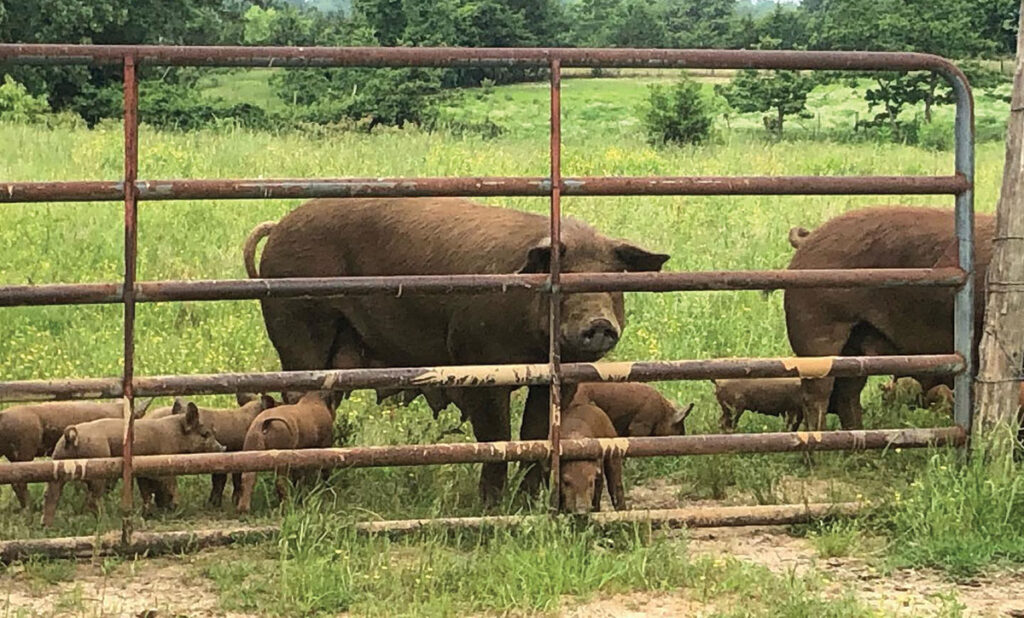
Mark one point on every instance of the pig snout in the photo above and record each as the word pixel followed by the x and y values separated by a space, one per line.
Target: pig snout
pixel 599 337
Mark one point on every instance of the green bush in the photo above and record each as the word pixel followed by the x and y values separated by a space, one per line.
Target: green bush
pixel 183 107
pixel 678 114
pixel 17 105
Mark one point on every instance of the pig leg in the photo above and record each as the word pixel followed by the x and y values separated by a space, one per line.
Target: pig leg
pixel 303 333
pixel 815 399
pixel 236 487
pixel 846 397
pixel 217 483
pixel 52 498
pixel 488 412
pixel 793 420
pixel 595 504
pixel 147 490
pixel 613 475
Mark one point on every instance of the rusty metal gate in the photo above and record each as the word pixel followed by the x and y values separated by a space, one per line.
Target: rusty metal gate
pixel 129 292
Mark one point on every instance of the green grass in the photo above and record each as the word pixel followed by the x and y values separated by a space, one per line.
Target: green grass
pixel 955 518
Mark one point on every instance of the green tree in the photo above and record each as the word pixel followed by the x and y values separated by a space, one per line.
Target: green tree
pixel 679 114
pixel 638 24
pixel 699 23
pixel 782 92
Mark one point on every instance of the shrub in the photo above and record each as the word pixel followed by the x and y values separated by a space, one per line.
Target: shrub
pixel 183 107
pixel 678 114
pixel 17 105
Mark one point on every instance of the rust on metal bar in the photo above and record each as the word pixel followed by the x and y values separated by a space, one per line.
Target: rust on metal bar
pixel 481 452
pixel 701 517
pixel 238 289
pixel 555 295
pixel 157 543
pixel 142 543
pixel 19 53
pixel 224 189
pixel 484 375
pixel 131 239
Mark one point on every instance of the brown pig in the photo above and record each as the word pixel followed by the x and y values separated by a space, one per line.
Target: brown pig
pixel 905 388
pixel 774 396
pixel 175 434
pixel 229 426
pixel 308 423
pixel 32 430
pixel 636 409
pixel 583 480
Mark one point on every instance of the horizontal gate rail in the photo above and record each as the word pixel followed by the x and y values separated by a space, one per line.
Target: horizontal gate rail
pixel 471 376
pixel 482 452
pixel 131 190
pixel 157 190
pixel 239 289
pixel 17 53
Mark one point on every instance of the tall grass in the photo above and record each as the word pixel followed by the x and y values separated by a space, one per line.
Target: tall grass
pixel 954 517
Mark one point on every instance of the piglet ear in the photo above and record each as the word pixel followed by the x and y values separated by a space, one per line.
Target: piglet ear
pixel 636 259
pixel 191 417
pixel 267 401
pixel 244 398
pixel 178 406
pixel 679 415
pixel 538 257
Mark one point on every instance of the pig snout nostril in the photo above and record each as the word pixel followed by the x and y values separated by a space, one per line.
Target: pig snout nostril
pixel 600 335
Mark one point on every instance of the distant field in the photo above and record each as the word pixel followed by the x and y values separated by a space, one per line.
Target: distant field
pixel 927 510
pixel 611 107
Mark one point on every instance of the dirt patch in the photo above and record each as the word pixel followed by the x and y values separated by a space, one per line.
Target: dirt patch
pixel 148 588
pixel 640 605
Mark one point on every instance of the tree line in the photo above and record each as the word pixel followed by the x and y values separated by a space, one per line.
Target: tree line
pixel 960 29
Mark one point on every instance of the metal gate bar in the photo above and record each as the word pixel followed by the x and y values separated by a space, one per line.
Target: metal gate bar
pixel 130 189
pixel 238 289
pixel 483 375
pixel 483 452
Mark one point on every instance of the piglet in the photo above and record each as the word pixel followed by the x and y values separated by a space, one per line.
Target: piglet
pixel 583 480
pixel 175 434
pixel 774 396
pixel 634 408
pixel 229 426
pixel 32 430
pixel 308 423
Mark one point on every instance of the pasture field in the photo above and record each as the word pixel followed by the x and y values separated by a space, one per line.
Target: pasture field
pixel 947 521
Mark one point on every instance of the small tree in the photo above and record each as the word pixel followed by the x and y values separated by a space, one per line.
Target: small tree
pixel 678 114
pixel 783 92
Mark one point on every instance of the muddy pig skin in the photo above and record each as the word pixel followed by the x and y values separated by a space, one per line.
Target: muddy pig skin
pixel 32 430
pixel 773 396
pixel 634 408
pixel 229 426
pixel 176 434
pixel 871 321
pixel 583 480
pixel 309 423
pixel 441 236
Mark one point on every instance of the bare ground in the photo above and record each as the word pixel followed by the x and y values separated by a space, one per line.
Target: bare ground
pixel 171 587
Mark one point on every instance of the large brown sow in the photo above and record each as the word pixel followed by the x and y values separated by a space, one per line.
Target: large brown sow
pixel 862 321
pixel 440 236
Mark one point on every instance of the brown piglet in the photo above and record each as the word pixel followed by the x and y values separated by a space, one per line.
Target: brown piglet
pixel 583 479
pixel 308 423
pixel 229 426
pixel 774 396
pixel 175 434
pixel 32 430
pixel 634 408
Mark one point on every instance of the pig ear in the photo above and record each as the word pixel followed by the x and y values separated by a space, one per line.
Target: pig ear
pixel 179 405
pixel 679 415
pixel 267 401
pixel 244 398
pixel 639 260
pixel 538 257
pixel 191 417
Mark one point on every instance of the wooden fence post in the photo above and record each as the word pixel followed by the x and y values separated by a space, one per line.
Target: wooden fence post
pixel 1002 341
